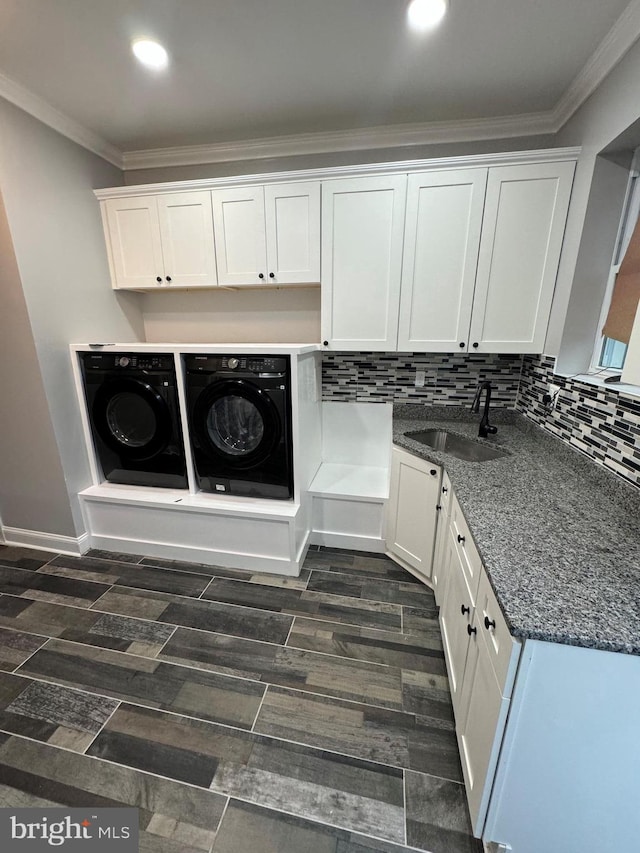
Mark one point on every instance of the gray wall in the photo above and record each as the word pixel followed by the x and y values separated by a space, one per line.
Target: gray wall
pixel 596 248
pixel 33 494
pixel 604 117
pixel 54 219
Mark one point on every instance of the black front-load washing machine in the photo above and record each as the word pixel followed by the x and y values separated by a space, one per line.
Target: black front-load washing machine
pixel 239 412
pixel 132 404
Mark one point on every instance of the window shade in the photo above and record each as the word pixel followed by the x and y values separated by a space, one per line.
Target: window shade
pixel 626 293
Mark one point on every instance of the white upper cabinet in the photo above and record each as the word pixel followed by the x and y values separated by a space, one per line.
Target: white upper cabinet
pixel 442 236
pixel 133 236
pixel 268 235
pixel 161 241
pixel 481 248
pixel 442 260
pixel 240 235
pixel 292 218
pixel 362 236
pixel 523 228
pixel 186 230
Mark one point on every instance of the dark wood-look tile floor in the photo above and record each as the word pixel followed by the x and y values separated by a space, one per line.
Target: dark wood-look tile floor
pixel 237 711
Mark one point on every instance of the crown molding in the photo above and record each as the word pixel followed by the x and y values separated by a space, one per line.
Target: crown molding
pixel 620 38
pixel 547 155
pixel 362 139
pixel 41 110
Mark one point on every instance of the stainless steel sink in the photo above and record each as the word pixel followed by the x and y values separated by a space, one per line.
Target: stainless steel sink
pixel 457 445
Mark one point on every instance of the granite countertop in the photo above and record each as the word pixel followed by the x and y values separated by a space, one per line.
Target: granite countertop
pixel 558 534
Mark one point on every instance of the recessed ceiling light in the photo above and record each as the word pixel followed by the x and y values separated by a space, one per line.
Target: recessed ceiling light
pixel 151 54
pixel 425 14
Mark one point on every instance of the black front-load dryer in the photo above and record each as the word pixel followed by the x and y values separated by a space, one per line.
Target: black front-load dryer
pixel 132 404
pixel 239 412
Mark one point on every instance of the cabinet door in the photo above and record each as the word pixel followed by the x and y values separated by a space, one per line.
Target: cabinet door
pixel 415 488
pixel 292 214
pixel 523 227
pixel 362 234
pixel 186 229
pixel 456 616
pixel 239 225
pixel 480 733
pixel 438 572
pixel 133 234
pixel 442 237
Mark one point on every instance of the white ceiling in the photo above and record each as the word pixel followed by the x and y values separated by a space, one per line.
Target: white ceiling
pixel 255 69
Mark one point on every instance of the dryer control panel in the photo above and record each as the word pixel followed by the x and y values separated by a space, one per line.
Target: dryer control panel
pixel 247 364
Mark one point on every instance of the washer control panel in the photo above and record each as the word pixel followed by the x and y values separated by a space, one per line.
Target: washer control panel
pixel 128 361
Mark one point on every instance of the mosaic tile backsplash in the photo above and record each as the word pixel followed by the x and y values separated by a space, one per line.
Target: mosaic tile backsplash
pixel 451 379
pixel 602 422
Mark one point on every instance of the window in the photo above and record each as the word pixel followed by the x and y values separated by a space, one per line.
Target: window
pixel 612 354
pixel 609 353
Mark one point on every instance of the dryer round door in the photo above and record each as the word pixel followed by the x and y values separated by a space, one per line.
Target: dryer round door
pixel 132 418
pixel 237 423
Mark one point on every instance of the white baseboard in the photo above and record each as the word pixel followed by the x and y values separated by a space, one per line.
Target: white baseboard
pixel 45 541
pixel 348 541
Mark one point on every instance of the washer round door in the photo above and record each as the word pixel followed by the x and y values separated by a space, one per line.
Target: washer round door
pixel 236 422
pixel 132 418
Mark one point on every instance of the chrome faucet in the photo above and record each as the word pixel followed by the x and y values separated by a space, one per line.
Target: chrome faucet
pixel 485 428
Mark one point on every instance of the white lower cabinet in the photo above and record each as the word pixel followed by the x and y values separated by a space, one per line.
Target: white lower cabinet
pixel 481 659
pixel 484 711
pixel 547 732
pixel 412 514
pixel 456 616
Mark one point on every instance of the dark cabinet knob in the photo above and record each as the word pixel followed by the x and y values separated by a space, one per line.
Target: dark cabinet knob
pixel 168 278
pixel 260 275
pixel 444 490
pixel 326 343
pixel 489 623
pixel 476 345
pixel 464 609
pixel 272 275
pixel 460 538
pixel 438 507
pixel 461 344
pixel 471 630
pixel 433 472
pixel 158 278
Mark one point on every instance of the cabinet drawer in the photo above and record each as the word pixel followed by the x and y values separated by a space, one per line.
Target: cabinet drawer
pixel 469 557
pixel 502 649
